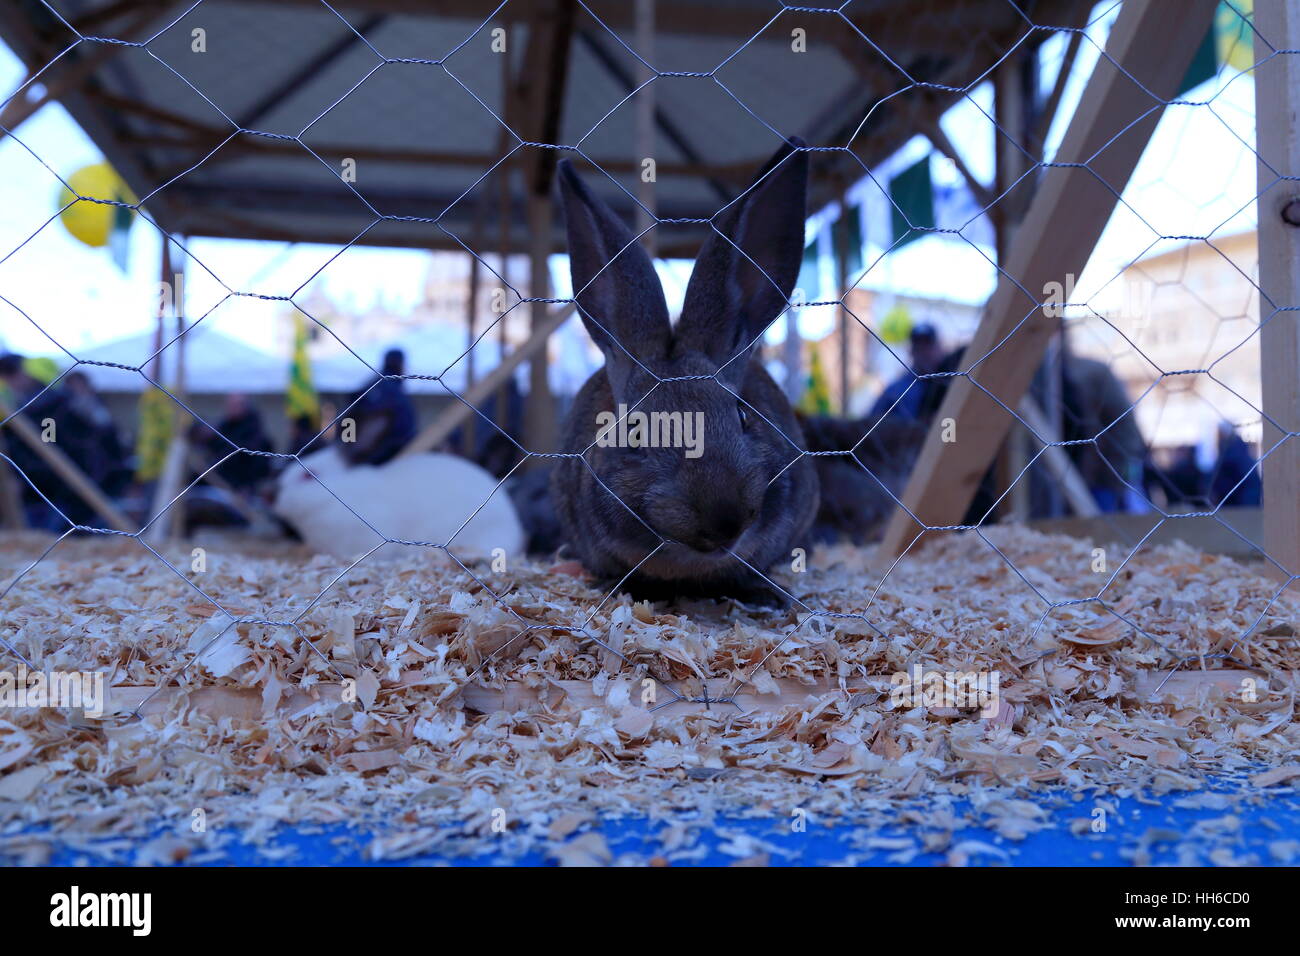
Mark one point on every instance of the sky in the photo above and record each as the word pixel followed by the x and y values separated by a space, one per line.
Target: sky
pixel 1197 177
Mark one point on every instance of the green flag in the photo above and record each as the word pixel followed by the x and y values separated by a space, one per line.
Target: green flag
pixel 301 398
pixel 848 239
pixel 1227 42
pixel 911 194
pixel 1204 65
pixel 154 437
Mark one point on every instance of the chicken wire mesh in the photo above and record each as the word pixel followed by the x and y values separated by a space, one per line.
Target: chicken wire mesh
pixel 1086 435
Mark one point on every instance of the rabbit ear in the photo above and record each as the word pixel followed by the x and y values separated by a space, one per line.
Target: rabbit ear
pixel 747 269
pixel 619 294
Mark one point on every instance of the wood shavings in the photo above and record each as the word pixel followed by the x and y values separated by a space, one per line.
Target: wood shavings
pixel 1275 776
pixel 366 711
pixel 589 849
pixel 21 784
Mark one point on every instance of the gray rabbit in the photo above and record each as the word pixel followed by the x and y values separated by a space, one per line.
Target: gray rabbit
pixel 660 520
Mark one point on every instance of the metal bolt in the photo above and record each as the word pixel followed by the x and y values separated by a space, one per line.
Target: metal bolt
pixel 1291 212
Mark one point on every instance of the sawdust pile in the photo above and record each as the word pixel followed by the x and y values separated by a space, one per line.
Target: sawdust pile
pixel 754 711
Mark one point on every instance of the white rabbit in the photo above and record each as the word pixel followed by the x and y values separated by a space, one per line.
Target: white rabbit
pixel 422 498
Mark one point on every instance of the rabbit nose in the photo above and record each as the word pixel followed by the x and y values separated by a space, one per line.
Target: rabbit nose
pixel 720 527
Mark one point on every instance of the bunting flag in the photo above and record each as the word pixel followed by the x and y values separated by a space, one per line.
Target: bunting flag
pixel 911 194
pixel 1234 35
pixel 816 399
pixel 301 398
pixel 1227 43
pixel 42 368
pixel 896 326
pixel 154 435
pixel 847 231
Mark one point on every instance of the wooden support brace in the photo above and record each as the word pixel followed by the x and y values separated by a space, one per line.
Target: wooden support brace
pixel 436 432
pixel 1147 56
pixel 67 74
pixel 170 484
pixel 1058 462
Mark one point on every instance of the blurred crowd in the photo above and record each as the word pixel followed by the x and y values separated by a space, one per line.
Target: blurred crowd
pixel 233 461
pixel 1099 423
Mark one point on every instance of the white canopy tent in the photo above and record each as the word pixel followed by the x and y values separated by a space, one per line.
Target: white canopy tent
pixel 213 363
pixel 216 363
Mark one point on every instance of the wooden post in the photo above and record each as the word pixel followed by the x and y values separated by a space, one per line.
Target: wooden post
pixel 471 310
pixel 1108 132
pixel 546 68
pixel 1011 106
pixel 1277 126
pixel 503 232
pixel 172 477
pixel 539 411
pixel 843 242
pixel 645 123
pixel 180 417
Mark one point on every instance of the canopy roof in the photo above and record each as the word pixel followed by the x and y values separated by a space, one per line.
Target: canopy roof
pixel 248 138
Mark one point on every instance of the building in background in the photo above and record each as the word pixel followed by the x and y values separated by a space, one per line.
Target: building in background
pixel 1192 310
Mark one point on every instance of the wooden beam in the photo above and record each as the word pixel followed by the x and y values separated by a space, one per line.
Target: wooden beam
pixel 435 433
pixel 202 138
pixel 1277 125
pixel 842 243
pixel 1108 132
pixel 1012 104
pixel 940 141
pixel 545 78
pixel 172 478
pixel 67 73
pixel 646 118
pixel 1043 126
pixel 160 526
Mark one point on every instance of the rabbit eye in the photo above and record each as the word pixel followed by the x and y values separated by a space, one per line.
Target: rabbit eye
pixel 743 413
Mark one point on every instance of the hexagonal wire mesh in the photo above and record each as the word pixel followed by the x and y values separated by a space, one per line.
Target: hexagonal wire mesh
pixel 1131 342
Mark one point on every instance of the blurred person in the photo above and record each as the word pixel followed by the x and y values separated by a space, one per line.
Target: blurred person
pixel 67 418
pixel 96 444
pixel 1183 481
pixel 240 427
pixel 19 385
pixel 383 414
pixel 1235 480
pixel 909 394
pixel 1098 412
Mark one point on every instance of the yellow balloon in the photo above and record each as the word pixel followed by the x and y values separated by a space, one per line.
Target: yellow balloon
pixel 91 222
